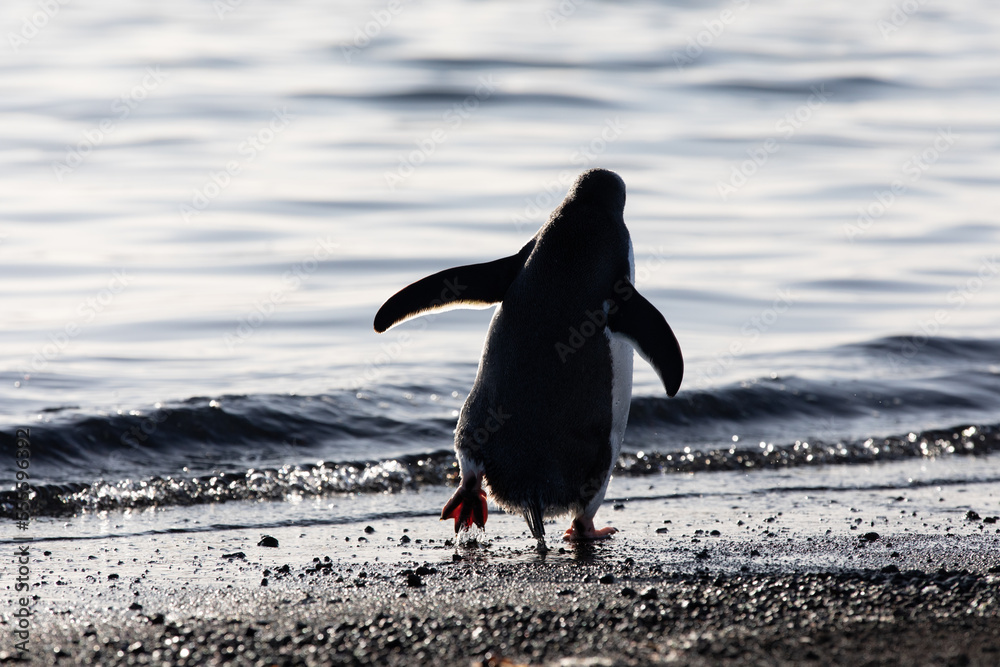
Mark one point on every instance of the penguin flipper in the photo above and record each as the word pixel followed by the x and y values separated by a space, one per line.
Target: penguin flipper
pixel 641 323
pixel 472 285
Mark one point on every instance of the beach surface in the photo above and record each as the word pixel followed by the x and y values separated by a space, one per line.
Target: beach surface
pixel 911 579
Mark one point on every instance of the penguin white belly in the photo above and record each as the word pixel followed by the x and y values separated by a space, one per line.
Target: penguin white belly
pixel 621 398
pixel 622 355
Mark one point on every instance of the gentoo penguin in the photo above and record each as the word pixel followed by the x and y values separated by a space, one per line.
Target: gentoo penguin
pixel 544 422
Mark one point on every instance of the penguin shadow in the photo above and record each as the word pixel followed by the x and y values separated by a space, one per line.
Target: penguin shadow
pixel 475 546
pixel 579 552
pixel 576 551
pixel 586 552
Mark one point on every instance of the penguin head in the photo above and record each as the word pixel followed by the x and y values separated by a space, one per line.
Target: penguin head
pixel 592 212
pixel 599 187
pixel 585 240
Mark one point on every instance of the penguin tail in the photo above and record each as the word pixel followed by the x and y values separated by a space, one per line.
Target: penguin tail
pixel 533 515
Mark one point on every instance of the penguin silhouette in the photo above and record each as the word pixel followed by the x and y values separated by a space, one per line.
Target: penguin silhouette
pixel 544 422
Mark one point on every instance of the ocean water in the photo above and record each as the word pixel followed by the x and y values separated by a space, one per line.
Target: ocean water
pixel 204 205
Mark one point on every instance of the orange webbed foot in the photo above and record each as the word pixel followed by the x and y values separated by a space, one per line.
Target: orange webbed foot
pixel 583 530
pixel 467 506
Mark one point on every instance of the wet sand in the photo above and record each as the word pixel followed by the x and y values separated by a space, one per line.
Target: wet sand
pixel 825 584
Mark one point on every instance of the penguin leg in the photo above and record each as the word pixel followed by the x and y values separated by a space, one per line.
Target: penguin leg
pixel 468 504
pixel 582 530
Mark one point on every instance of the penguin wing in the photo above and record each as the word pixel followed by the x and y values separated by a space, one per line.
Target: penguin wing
pixel 641 323
pixel 471 285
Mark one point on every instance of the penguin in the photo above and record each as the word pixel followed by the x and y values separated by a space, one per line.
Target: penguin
pixel 543 424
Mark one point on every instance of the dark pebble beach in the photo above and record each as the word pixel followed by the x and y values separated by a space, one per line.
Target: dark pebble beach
pixel 650 595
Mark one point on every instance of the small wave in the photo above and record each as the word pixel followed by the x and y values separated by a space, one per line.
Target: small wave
pixel 449 96
pixel 440 467
pixel 254 484
pixel 945 383
pixel 960 440
pixel 494 64
pixel 206 434
pixel 841 87
pixel 927 349
pixel 782 400
pixel 234 433
pixel 861 285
